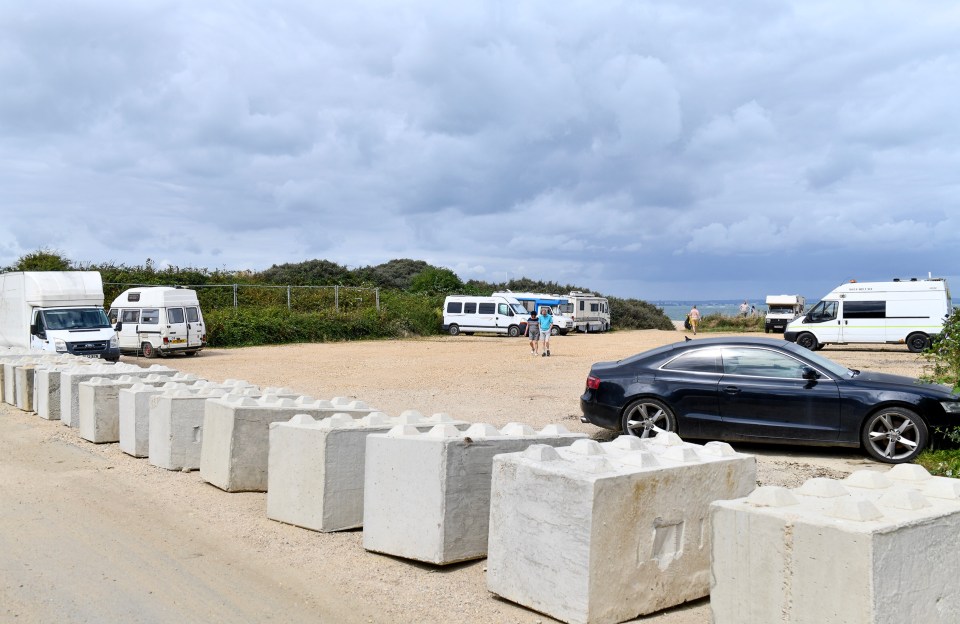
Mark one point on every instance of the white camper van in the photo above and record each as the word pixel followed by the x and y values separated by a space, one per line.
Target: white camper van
pixel 591 313
pixel 902 311
pixel 59 311
pixel 497 314
pixel 159 320
pixel 781 309
pixel 559 305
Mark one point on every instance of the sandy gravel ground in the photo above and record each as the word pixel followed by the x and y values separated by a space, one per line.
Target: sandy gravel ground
pixel 88 534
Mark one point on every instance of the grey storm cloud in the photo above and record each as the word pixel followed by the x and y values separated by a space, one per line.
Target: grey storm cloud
pixel 646 149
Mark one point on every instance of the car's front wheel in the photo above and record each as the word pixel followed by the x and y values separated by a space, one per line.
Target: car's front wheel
pixel 917 342
pixel 807 341
pixel 894 435
pixel 645 418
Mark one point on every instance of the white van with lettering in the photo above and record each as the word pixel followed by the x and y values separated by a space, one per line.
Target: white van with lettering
pixel 498 314
pixel 907 312
pixel 159 320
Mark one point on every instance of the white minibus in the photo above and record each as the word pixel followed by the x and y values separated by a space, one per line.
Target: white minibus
pixel 498 314
pixel 907 312
pixel 159 320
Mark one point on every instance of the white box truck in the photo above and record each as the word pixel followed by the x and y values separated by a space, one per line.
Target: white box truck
pixel 60 311
pixel 495 314
pixel 897 312
pixel 781 309
pixel 159 320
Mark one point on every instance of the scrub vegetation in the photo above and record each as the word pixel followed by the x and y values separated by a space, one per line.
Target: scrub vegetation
pixel 320 300
pixel 943 366
pixel 724 323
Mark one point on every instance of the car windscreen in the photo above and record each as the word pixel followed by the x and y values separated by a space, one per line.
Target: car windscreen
pixel 79 318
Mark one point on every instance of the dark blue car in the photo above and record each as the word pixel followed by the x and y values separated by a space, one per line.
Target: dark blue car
pixel 763 390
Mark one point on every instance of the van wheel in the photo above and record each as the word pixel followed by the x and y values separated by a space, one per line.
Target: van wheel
pixel 148 351
pixel 454 330
pixel 807 341
pixel 554 330
pixel 190 353
pixel 918 342
pixel 513 331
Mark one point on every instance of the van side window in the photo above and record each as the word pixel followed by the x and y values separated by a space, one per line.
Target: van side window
pixel 865 309
pixel 470 307
pixel 488 308
pixel 130 316
pixel 823 311
pixel 581 304
pixel 150 317
pixel 503 309
pixel 454 307
pixel 594 307
pixel 193 315
pixel 174 315
pixel 112 315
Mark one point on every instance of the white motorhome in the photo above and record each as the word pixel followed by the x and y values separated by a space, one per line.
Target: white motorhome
pixel 781 309
pixel 590 313
pixel 159 320
pixel 495 314
pixel 60 311
pixel 560 308
pixel 897 312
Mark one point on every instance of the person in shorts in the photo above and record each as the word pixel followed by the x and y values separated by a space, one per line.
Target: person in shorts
pixel 533 332
pixel 546 324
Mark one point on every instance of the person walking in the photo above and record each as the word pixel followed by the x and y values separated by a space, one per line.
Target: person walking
pixel 694 316
pixel 744 309
pixel 546 324
pixel 533 332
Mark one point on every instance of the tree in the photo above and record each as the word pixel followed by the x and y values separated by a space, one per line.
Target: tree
pixel 43 260
pixel 436 281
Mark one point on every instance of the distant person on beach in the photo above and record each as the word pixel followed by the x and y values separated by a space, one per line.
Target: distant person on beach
pixel 753 310
pixel 546 324
pixel 694 317
pixel 533 332
pixel 744 309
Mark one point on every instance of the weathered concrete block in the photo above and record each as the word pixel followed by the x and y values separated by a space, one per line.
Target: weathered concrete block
pixel 427 495
pixel 871 549
pixel 71 378
pixel 316 468
pixel 23 386
pixel 9 380
pixel 134 413
pixel 602 533
pixel 99 408
pixel 176 427
pixel 237 437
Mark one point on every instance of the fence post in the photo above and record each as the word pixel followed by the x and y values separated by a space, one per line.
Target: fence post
pixel 288 297
pixel 336 298
pixel 377 292
pixel 234 295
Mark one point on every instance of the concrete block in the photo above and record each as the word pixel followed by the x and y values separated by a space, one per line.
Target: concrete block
pixel 9 381
pixel 602 533
pixel 236 442
pixel 99 408
pixel 427 495
pixel 176 427
pixel 23 386
pixel 71 378
pixel 873 548
pixel 134 414
pixel 316 468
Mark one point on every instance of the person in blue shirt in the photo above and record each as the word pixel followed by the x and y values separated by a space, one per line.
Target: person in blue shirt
pixel 546 324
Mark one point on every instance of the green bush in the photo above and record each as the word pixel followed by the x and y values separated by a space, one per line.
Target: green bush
pixel 724 323
pixel 943 366
pixel 637 314
pixel 942 463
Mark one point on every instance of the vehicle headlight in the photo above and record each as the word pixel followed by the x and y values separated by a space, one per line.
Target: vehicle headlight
pixel 951 407
pixel 114 343
pixel 60 345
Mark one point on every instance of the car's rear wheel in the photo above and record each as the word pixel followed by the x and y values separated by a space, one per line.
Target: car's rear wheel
pixel 645 418
pixel 807 341
pixel 894 435
pixel 454 330
pixel 918 342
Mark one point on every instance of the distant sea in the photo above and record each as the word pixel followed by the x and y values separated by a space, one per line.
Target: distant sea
pixel 677 310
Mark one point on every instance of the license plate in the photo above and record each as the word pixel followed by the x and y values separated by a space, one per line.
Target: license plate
pixel 177 340
pixel 93 357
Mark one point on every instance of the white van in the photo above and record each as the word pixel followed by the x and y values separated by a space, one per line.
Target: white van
pixel 897 312
pixel 159 320
pixel 496 314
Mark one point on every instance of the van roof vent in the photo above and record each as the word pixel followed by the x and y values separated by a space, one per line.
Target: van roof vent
pixel 134 296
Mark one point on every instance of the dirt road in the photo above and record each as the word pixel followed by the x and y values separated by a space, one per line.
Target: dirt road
pixel 89 534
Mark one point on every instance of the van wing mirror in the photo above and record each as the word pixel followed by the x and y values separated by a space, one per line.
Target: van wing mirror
pixel 119 325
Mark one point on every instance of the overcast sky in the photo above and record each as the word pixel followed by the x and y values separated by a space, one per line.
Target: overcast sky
pixel 684 149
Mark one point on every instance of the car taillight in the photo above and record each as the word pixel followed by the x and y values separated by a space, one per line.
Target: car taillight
pixel 592 382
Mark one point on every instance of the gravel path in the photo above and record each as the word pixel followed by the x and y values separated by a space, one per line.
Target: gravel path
pixel 88 534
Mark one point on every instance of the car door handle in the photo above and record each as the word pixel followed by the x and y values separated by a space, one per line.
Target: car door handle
pixel 732 390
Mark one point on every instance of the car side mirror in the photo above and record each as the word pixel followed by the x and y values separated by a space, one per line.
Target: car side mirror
pixel 809 373
pixel 119 325
pixel 33 329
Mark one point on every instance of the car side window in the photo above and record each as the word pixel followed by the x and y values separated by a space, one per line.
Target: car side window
pixel 503 309
pixel 697 361
pixel 761 363
pixel 150 317
pixel 130 316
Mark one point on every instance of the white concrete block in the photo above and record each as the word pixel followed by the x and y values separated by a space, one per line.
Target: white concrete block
pixel 602 533
pixel 99 408
pixel 427 495
pixel 23 386
pixel 176 427
pixel 236 430
pixel 8 378
pixel 134 414
pixel 875 548
pixel 316 468
pixel 70 379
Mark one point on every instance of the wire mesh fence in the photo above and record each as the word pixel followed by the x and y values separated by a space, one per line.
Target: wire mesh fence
pixel 298 298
